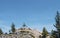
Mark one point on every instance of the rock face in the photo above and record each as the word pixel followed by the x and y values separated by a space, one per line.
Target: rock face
pixel 23 32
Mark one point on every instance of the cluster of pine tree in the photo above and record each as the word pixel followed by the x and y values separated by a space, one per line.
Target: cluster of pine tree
pixel 10 31
pixel 54 33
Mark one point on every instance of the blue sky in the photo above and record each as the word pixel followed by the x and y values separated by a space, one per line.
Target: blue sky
pixel 35 14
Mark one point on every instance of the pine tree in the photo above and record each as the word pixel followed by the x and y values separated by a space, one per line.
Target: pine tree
pixel 53 34
pixel 1 32
pixel 10 32
pixel 57 25
pixel 44 33
pixel 13 28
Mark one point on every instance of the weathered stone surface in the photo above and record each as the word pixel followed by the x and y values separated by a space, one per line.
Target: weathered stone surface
pixel 23 32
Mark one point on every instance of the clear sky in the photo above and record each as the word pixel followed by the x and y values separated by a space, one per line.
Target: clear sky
pixel 35 14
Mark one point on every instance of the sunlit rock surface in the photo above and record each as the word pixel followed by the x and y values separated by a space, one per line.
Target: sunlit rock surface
pixel 23 32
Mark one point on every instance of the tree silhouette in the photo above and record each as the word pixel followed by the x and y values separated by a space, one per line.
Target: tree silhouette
pixel 57 25
pixel 53 34
pixel 44 33
pixel 1 32
pixel 13 28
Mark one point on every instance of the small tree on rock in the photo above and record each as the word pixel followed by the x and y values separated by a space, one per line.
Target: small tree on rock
pixel 1 32
pixel 44 33
pixel 13 28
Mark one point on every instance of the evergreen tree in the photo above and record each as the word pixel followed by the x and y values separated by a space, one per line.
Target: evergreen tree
pixel 6 33
pixel 1 32
pixel 44 33
pixel 57 25
pixel 13 28
pixel 24 25
pixel 10 32
pixel 53 34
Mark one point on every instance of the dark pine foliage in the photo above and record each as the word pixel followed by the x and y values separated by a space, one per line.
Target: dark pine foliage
pixel 1 32
pixel 44 33
pixel 57 25
pixel 13 28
